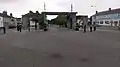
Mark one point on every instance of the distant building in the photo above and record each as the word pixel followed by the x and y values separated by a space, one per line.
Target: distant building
pixel 82 19
pixel 1 22
pixel 18 20
pixel 28 18
pixel 107 18
pixel 7 20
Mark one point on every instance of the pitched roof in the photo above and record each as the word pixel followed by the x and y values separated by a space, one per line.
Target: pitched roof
pixel 3 15
pixel 18 19
pixel 108 12
pixel 81 16
pixel 31 14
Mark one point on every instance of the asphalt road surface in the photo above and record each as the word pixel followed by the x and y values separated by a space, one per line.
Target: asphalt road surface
pixel 60 48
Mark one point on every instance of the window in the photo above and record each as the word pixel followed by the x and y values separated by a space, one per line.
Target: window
pixel 101 22
pixel 106 22
pixel 97 22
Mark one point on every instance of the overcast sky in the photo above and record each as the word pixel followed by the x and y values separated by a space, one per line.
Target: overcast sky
pixel 83 7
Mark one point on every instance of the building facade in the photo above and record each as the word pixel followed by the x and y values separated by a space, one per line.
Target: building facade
pixel 107 18
pixel 1 22
pixel 18 20
pixel 82 19
pixel 27 18
pixel 8 20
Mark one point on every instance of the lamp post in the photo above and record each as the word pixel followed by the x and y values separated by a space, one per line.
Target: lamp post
pixel 94 7
pixel 95 13
pixel 71 7
pixel 44 13
pixel 29 24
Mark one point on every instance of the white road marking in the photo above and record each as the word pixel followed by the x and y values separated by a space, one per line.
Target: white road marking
pixel 53 34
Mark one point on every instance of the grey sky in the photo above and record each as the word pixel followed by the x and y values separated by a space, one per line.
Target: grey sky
pixel 19 7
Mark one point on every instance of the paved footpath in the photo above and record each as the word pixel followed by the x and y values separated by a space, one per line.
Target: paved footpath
pixel 57 48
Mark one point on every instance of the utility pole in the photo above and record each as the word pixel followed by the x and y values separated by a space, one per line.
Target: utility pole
pixel 44 13
pixel 70 17
pixel 71 7
pixel 92 6
pixel 44 7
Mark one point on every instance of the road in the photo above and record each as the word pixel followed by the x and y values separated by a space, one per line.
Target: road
pixel 60 47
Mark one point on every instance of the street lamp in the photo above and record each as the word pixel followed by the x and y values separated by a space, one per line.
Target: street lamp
pixel 71 7
pixel 95 11
pixel 45 14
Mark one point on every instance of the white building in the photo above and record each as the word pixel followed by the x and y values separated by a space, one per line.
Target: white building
pixel 1 22
pixel 7 20
pixel 107 18
pixel 82 19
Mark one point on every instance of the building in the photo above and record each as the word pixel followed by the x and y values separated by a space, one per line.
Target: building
pixel 18 20
pixel 1 22
pixel 8 21
pixel 110 17
pixel 82 19
pixel 28 18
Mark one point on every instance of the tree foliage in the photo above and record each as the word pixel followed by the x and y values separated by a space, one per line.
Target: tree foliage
pixel 41 21
pixel 61 20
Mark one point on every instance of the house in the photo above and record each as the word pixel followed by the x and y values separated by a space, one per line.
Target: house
pixel 28 18
pixel 82 19
pixel 18 20
pixel 7 20
pixel 1 22
pixel 110 17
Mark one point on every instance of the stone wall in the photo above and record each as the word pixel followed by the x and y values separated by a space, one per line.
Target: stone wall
pixel 25 22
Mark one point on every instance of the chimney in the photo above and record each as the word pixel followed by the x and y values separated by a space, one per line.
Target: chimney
pixel 30 11
pixel 5 12
pixel 96 12
pixel 109 9
pixel 11 15
pixel 37 12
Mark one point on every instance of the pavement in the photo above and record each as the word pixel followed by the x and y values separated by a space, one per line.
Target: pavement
pixel 109 28
pixel 60 47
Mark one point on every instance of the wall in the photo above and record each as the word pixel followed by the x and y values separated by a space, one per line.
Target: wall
pixel 1 22
pixel 74 21
pixel 17 21
pixel 32 23
pixel 82 19
pixel 25 22
pixel 109 17
pixel 12 22
pixel 6 21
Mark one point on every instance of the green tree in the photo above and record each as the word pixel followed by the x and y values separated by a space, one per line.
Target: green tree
pixel 41 21
pixel 61 20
